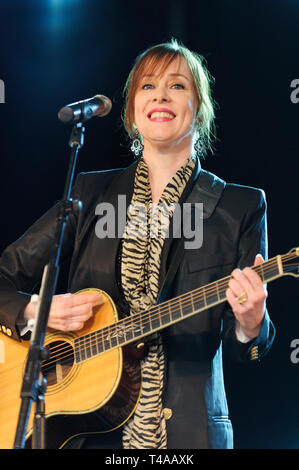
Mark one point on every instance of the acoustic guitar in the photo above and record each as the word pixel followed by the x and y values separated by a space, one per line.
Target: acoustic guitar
pixel 94 375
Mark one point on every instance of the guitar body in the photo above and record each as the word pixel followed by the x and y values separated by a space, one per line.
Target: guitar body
pixel 93 396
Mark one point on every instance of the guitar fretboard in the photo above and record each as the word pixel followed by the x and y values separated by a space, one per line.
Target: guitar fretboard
pixel 160 316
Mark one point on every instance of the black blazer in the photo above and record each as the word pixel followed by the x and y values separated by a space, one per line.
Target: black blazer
pixel 234 231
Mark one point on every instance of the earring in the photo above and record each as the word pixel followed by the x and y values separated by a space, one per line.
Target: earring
pixel 199 147
pixel 137 145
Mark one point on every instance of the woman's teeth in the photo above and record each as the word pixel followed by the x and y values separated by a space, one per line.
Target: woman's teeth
pixel 161 115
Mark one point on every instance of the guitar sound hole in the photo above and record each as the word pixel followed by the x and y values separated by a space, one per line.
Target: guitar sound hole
pixel 60 362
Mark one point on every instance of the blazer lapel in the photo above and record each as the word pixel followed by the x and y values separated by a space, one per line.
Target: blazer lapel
pixel 120 188
pixel 207 189
pixel 119 195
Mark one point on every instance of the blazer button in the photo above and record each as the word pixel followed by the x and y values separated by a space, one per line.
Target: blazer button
pixel 167 412
pixel 254 353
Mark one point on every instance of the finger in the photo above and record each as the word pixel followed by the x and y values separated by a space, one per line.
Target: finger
pixel 78 312
pixel 235 305
pixel 258 260
pixel 75 326
pixel 254 279
pixel 235 287
pixel 78 298
pixel 252 275
pixel 63 325
pixel 69 319
pixel 91 297
pixel 83 312
pixel 68 301
pixel 250 281
pixel 243 283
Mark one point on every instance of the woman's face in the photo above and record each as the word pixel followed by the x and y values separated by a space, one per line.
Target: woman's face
pixel 166 106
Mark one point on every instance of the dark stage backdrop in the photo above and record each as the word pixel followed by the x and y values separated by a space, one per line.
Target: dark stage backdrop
pixel 55 52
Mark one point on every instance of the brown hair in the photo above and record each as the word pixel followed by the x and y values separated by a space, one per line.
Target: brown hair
pixel 159 57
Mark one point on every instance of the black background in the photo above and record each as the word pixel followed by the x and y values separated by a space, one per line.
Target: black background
pixel 55 52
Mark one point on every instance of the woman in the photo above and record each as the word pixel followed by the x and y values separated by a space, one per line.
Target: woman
pixel 169 114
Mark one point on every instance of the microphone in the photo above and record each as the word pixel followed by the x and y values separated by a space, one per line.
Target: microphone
pixel 82 111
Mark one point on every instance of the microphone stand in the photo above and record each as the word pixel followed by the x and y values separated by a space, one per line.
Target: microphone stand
pixel 34 383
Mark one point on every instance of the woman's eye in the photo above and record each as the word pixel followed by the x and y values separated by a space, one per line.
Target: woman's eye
pixel 178 86
pixel 150 86
pixel 147 86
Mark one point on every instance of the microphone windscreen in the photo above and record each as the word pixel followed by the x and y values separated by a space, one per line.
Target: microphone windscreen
pixel 66 114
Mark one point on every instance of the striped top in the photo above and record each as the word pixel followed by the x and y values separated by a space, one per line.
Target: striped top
pixel 142 245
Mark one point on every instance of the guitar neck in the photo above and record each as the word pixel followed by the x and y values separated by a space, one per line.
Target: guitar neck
pixel 134 327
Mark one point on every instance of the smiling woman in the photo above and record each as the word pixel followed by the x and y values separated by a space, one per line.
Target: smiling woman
pixel 165 109
pixel 181 399
pixel 183 65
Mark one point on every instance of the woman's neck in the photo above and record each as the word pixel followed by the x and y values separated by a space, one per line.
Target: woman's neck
pixel 161 169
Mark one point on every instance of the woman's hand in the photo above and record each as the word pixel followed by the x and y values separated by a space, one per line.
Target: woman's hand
pixel 68 312
pixel 247 297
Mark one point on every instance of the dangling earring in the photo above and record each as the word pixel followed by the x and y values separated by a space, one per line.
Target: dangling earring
pixel 137 145
pixel 199 147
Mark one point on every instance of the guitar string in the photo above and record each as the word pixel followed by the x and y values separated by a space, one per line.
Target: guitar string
pixel 109 328
pixel 128 320
pixel 183 300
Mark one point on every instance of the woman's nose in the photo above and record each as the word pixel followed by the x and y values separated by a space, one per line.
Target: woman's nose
pixel 161 94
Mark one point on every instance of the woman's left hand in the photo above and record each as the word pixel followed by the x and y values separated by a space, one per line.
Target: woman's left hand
pixel 247 297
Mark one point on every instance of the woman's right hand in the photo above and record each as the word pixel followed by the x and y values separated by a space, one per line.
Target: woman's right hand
pixel 68 312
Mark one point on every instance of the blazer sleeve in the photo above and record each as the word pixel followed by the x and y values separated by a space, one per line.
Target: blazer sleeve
pixel 22 263
pixel 253 241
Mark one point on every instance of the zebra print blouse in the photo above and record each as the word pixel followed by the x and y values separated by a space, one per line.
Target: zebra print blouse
pixel 142 245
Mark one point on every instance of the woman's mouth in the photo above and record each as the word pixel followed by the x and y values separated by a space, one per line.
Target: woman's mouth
pixel 161 115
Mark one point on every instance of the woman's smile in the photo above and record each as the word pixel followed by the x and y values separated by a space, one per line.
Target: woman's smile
pixel 161 115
